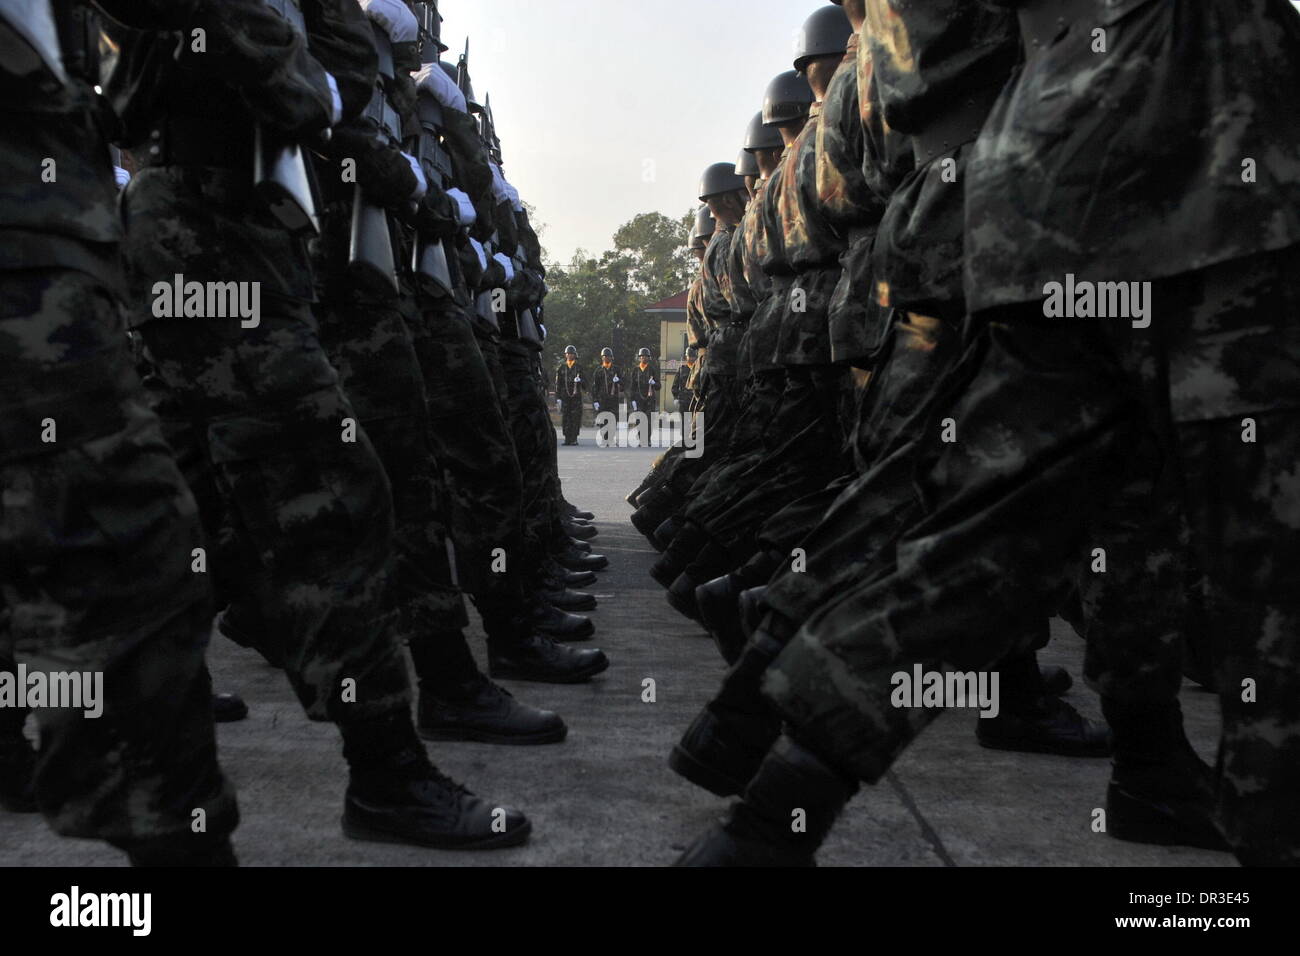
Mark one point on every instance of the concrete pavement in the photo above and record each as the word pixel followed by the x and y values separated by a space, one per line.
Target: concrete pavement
pixel 605 796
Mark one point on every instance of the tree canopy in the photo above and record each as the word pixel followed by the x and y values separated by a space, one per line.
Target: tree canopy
pixel 597 301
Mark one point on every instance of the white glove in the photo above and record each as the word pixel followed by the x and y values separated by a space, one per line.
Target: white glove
pixel 336 101
pixel 121 176
pixel 421 184
pixel 499 192
pixel 634 405
pixel 596 406
pixel 432 79
pixel 559 404
pixel 506 264
pixel 467 216
pixel 577 379
pixel 615 379
pixel 653 382
pixel 395 18
pixel 482 256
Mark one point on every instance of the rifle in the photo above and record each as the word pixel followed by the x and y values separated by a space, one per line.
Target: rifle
pixel 432 268
pixel 280 177
pixel 370 247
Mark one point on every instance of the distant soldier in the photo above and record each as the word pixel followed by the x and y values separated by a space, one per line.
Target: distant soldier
pixel 682 391
pixel 569 386
pixel 645 383
pixel 606 383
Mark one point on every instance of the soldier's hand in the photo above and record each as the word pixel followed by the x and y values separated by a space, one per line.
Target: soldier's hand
pixel 464 205
pixel 595 406
pixel 395 18
pixel 121 177
pixel 433 80
pixel 422 184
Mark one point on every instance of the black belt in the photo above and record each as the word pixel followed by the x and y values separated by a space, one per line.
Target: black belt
pixel 1042 21
pixel 197 141
pixel 961 124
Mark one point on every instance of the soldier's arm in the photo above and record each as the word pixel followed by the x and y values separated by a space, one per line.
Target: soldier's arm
pixel 340 38
pixel 252 48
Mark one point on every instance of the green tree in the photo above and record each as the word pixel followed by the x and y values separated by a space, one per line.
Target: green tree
pixel 598 301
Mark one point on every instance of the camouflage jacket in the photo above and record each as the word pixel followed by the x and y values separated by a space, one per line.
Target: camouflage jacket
pixel 718 296
pixel 929 61
pixel 1176 149
pixel 180 103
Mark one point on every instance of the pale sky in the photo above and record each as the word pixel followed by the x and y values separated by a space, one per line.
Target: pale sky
pixel 609 108
pixel 612 108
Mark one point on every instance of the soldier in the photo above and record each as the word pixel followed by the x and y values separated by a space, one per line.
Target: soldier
pixel 269 436
pixel 98 532
pixel 569 388
pixel 683 394
pixel 1069 407
pixel 606 384
pixel 645 385
pixel 460 346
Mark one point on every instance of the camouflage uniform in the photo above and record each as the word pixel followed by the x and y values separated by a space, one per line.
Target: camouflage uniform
pixel 1050 410
pixel 804 439
pixel 97 527
pixel 257 414
pixel 367 330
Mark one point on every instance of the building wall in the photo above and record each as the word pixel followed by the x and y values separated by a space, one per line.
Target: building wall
pixel 672 344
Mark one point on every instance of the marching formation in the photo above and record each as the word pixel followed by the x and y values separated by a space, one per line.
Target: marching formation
pixel 994 323
pixel 295 377
pixel 996 319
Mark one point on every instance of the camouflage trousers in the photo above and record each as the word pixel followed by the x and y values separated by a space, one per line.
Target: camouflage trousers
pixel 369 343
pixel 273 448
pixel 534 439
pixel 476 450
pixel 803 452
pixel 98 535
pixel 1053 420
pixel 718 409
pixel 749 439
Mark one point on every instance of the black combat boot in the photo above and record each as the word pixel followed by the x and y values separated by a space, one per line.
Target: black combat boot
pixel 395 795
pixel 17 768
pixel 724 745
pixel 517 652
pixel 554 576
pixel 665 533
pixel 709 562
pixel 458 703
pixel 1160 791
pixel 570 509
pixel 574 560
pixel 566 600
pixel 482 712
pixel 720 616
pixel 689 540
pixel 582 547
pixel 583 532
pixel 651 479
pixel 784 817
pixel 1032 720
pixel 1056 680
pixel 557 624
pixel 182 852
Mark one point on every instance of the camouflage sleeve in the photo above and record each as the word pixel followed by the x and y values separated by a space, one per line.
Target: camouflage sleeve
pixel 340 38
pixel 531 243
pixel 696 327
pixel 743 301
pixel 717 288
pixel 473 174
pixel 253 49
pixel 503 215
